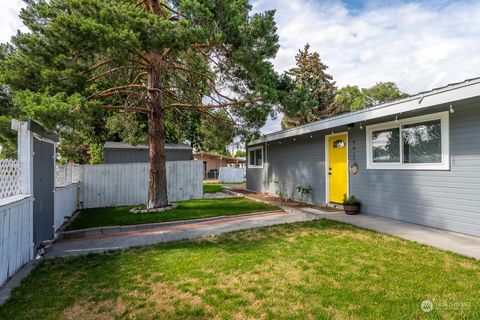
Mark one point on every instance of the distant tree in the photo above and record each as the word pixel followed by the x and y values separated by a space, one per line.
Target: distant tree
pixel 240 154
pixel 308 91
pixel 352 98
pixel 147 57
pixel 383 92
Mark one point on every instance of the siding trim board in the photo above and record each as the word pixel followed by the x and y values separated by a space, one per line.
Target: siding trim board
pixel 442 199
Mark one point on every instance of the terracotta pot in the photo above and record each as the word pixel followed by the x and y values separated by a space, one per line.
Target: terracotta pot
pixel 351 208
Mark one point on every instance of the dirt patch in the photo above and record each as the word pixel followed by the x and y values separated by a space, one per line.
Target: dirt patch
pixel 89 310
pixel 167 297
pixel 279 202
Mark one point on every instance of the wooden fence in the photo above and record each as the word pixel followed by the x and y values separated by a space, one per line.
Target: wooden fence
pixel 231 175
pixel 109 185
pixel 16 234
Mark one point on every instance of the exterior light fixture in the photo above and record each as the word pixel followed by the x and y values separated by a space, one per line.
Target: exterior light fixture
pixel 451 109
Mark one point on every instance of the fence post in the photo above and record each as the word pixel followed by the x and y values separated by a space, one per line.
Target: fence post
pixel 25 156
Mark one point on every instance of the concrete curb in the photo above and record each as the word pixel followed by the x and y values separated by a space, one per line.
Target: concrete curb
pixel 83 233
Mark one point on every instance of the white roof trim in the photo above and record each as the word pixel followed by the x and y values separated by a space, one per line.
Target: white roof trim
pixel 447 94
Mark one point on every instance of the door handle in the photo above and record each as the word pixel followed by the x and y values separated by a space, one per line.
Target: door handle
pixel 330 173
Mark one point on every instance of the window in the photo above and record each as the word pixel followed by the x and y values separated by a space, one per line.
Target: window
pixel 386 145
pixel 255 157
pixel 339 143
pixel 414 143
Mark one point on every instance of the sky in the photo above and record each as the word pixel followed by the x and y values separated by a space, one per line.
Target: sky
pixel 419 44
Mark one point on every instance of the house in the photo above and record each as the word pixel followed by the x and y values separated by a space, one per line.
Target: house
pixel 119 152
pixel 415 159
pixel 212 163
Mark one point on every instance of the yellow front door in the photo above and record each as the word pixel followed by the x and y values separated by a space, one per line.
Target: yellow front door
pixel 337 167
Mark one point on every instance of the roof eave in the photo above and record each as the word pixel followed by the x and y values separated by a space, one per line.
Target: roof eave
pixel 449 94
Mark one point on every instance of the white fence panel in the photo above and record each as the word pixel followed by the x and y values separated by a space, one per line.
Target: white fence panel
pixel 109 185
pixel 16 234
pixel 66 200
pixel 231 175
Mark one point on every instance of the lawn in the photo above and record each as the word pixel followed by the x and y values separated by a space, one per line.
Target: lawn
pixel 314 270
pixel 192 209
pixel 217 187
pixel 212 187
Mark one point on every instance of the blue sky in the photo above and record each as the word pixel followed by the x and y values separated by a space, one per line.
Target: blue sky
pixel 417 44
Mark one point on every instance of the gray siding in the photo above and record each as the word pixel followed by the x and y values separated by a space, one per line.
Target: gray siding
pixel 442 199
pixel 298 163
pixel 141 155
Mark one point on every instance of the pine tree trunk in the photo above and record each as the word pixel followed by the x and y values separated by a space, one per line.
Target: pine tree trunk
pixel 157 185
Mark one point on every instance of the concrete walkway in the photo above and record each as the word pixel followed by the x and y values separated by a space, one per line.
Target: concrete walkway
pixel 118 241
pixel 455 242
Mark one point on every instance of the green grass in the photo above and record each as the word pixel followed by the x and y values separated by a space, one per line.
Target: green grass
pixel 212 187
pixel 313 270
pixel 217 187
pixel 192 209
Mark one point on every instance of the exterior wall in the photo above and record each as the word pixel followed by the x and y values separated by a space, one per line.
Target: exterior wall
pixel 141 155
pixel 297 163
pixel 213 163
pixel 441 199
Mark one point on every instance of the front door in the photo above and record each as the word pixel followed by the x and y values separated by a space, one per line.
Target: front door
pixel 337 167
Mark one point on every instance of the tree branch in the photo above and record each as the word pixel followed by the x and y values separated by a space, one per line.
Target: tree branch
pixel 127 108
pixel 118 89
pixel 210 106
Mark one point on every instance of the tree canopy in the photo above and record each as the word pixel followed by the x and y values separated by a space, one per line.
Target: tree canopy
pixel 352 98
pixel 156 58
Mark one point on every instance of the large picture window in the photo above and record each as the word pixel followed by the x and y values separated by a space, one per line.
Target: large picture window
pixel 413 143
pixel 255 157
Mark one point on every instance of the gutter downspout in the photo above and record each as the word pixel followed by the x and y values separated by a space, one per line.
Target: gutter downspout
pixel 266 168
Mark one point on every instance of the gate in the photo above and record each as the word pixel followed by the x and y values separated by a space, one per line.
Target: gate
pixel 43 184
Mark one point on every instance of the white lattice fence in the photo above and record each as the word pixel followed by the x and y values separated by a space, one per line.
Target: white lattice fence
pixel 9 178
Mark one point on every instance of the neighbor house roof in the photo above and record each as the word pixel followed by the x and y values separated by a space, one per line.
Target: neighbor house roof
pixel 214 155
pixel 121 145
pixel 443 95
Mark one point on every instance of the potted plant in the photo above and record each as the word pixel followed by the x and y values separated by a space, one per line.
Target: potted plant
pixel 304 191
pixel 351 205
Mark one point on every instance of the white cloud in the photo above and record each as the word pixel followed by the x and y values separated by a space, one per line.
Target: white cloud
pixel 9 20
pixel 417 45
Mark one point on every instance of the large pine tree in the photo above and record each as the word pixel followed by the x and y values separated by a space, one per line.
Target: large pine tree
pixel 310 90
pixel 143 56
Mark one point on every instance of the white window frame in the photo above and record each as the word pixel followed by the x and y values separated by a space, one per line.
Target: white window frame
pixel 248 155
pixel 445 140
